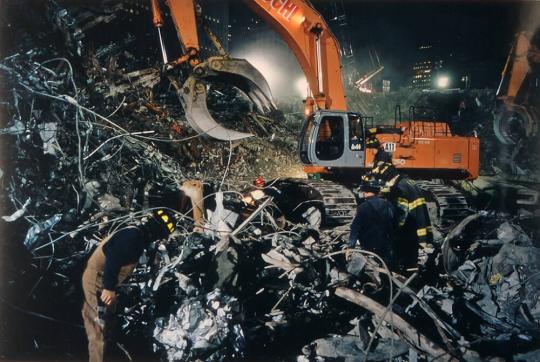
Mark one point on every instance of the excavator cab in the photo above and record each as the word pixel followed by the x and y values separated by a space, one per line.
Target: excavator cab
pixel 333 139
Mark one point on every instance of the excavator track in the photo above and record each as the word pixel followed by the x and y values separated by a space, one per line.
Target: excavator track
pixel 446 204
pixel 338 202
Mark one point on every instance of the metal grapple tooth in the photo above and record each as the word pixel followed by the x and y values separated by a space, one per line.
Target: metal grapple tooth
pixel 263 104
pixel 241 74
pixel 193 98
pixel 237 73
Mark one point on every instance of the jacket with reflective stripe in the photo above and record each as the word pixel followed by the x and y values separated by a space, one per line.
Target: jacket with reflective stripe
pixel 407 197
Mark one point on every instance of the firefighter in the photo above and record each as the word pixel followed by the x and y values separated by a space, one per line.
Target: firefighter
pixel 374 225
pixel 110 264
pixel 413 216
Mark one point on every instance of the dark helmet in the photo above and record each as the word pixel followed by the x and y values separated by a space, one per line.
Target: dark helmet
pixel 372 142
pixel 384 171
pixel 165 219
pixel 160 225
pixel 371 184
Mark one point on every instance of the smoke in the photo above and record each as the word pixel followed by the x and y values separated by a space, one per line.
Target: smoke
pixel 276 62
pixel 529 17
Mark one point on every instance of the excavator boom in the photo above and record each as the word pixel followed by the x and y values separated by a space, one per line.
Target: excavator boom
pixel 186 15
pixel 315 47
pixel 296 21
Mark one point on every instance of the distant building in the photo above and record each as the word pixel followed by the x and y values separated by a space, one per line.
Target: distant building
pixel 428 66
pixel 217 16
pixel 386 86
pixel 438 67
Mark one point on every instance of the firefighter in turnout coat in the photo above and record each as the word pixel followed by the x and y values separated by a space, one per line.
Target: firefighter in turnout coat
pixel 413 216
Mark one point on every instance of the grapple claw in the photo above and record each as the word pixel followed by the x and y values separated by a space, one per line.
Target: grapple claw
pixel 241 74
pixel 193 98
pixel 235 72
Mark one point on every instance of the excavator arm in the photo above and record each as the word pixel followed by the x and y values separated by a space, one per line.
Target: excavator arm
pixel 315 47
pixel 518 116
pixel 193 93
pixel 296 21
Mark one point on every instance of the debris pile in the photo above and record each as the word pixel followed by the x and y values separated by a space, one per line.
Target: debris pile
pixel 94 145
pixel 493 267
pixel 202 329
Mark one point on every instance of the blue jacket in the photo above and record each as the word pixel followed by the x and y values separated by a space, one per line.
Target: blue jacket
pixel 374 226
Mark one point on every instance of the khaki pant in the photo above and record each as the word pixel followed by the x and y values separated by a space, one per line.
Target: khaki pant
pixel 95 323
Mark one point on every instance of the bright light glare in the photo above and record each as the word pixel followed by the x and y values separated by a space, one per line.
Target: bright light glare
pixel 443 81
pixel 269 69
pixel 301 86
pixel 277 65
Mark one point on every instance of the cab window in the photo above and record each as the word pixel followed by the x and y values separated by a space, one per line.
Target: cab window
pixel 330 138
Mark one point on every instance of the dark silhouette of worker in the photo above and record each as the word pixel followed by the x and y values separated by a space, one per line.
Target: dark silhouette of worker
pixel 374 226
pixel 110 264
pixel 330 139
pixel 413 215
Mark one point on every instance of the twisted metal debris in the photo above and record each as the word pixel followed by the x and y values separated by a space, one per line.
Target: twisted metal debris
pixel 89 151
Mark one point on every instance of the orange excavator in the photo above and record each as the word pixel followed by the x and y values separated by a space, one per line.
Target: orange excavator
pixel 334 142
pixel 519 92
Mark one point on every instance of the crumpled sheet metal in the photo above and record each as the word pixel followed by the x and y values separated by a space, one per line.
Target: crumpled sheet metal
pixel 202 328
pixel 47 132
pixel 38 228
pixel 497 280
pixel 351 348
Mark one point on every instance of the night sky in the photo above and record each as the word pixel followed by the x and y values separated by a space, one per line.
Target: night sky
pixel 477 34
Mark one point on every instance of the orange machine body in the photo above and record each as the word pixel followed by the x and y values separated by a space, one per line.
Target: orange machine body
pixel 338 146
pixel 427 145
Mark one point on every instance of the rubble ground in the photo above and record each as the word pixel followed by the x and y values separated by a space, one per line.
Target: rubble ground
pixel 90 144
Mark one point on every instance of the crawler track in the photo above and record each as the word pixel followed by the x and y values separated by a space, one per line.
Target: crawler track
pixel 338 201
pixel 446 203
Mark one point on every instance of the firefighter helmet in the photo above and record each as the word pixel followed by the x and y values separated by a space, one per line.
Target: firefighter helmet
pixel 165 219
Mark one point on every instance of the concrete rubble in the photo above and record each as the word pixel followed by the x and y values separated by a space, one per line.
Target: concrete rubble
pixel 91 146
